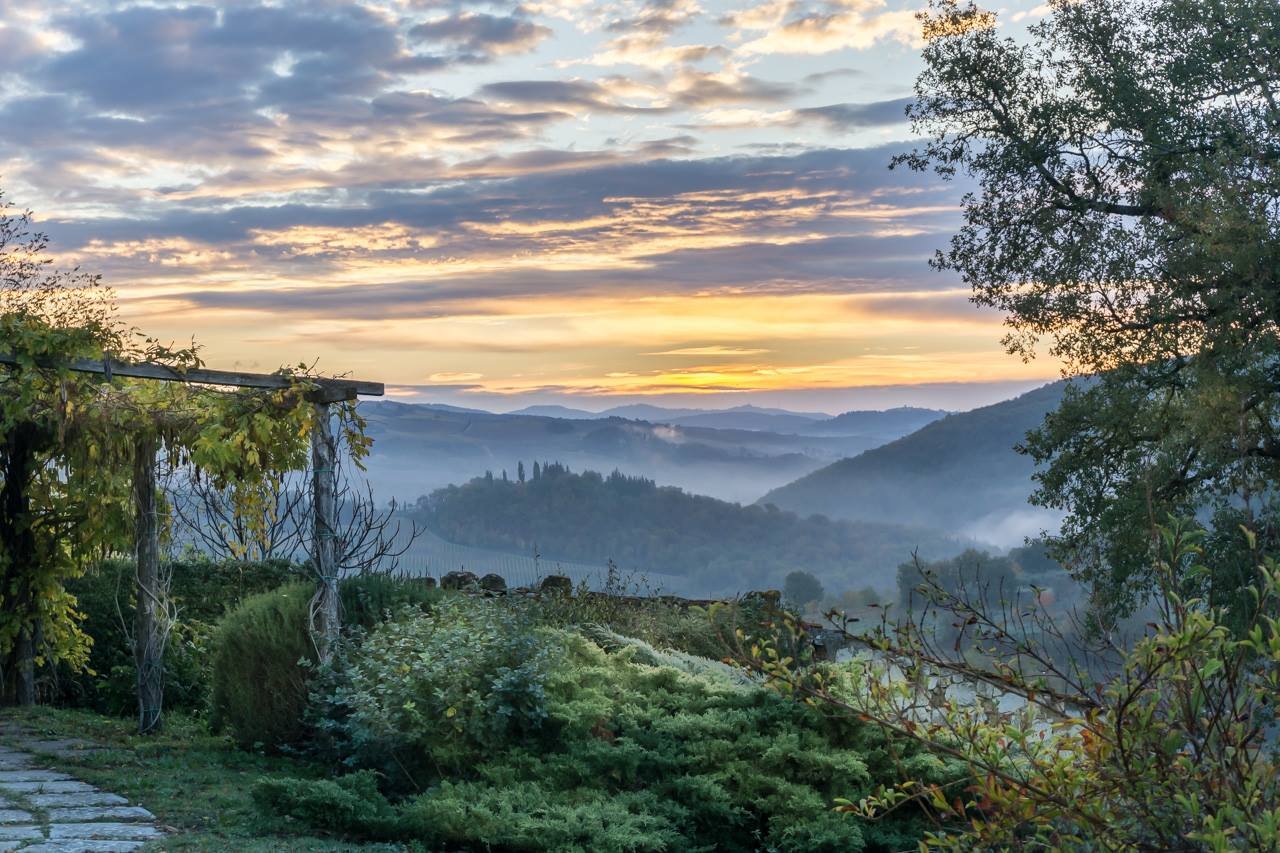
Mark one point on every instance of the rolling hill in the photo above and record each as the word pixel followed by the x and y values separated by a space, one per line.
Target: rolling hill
pixel 895 422
pixel 419 448
pixel 959 474
pixel 712 546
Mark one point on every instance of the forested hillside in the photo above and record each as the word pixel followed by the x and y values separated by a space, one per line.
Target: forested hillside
pixel 424 447
pixel 890 422
pixel 641 526
pixel 960 473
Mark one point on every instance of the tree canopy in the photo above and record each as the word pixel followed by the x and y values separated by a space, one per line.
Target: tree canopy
pixel 1127 160
pixel 644 527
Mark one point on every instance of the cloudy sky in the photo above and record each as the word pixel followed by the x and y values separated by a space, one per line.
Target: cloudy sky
pixel 501 203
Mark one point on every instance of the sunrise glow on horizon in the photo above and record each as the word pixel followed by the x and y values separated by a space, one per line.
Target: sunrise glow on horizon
pixel 516 202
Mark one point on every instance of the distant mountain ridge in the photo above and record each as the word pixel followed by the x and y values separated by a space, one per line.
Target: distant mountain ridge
pixel 959 474
pixel 859 422
pixel 421 447
pixel 899 421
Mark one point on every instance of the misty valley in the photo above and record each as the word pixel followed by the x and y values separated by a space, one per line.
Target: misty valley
pixel 639 427
pixel 707 503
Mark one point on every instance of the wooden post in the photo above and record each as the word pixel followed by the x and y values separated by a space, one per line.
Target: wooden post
pixel 16 531
pixel 149 613
pixel 324 452
pixel 25 695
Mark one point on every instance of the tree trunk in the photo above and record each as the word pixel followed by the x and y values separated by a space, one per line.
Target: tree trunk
pixel 324 453
pixel 149 614
pixel 19 545
pixel 24 689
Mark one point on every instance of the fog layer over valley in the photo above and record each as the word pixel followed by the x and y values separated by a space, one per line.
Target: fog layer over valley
pixel 702 502
pixel 725 454
pixel 718 548
pixel 960 474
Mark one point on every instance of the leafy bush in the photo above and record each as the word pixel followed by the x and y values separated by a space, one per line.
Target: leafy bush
pixel 1168 743
pixel 530 737
pixel 428 692
pixel 259 689
pixel 348 803
pixel 368 599
pixel 626 606
pixel 530 816
pixel 203 591
pixel 263 651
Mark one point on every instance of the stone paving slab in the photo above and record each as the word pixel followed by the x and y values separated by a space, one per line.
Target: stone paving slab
pixel 32 776
pixel 47 810
pixel 57 787
pixel 87 798
pixel 103 831
pixel 83 847
pixel 85 813
pixel 21 833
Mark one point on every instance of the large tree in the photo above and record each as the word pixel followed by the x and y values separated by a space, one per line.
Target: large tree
pixel 1127 213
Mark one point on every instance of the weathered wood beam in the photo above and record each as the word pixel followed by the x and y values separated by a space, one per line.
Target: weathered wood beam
pixel 149 611
pixel 330 390
pixel 324 543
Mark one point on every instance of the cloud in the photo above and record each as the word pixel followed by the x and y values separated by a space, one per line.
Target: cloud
pixel 846 117
pixel 144 59
pixel 490 182
pixel 831 221
pixel 686 89
pixel 796 27
pixel 694 88
pixel 842 118
pixel 713 351
pixel 818 77
pixel 558 94
pixel 480 37
pixel 454 378
pixel 656 16
pixel 651 50
pixel 644 33
pixel 20 45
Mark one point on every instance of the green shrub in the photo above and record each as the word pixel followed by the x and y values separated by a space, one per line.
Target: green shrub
pixel 531 816
pixel 431 691
pixel 259 689
pixel 529 737
pixel 348 803
pixel 522 816
pixel 368 599
pixel 627 606
pixel 203 590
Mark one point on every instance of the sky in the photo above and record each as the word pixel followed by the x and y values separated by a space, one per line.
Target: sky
pixel 498 204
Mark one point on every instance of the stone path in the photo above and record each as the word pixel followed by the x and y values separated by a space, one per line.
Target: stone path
pixel 45 810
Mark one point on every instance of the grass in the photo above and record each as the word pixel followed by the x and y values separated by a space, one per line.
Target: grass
pixel 195 783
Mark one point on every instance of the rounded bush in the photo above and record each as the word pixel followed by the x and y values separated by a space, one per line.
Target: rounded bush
pixel 261 653
pixel 202 589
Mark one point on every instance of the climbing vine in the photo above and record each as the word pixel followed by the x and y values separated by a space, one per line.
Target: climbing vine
pixel 68 442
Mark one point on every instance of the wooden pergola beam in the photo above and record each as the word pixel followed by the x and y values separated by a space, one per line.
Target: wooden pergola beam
pixel 330 390
pixel 149 634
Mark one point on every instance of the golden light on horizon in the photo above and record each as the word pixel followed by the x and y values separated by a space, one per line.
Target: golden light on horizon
pixel 606 345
